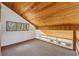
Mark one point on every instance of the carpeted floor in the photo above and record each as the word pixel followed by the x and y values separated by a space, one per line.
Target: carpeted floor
pixel 36 48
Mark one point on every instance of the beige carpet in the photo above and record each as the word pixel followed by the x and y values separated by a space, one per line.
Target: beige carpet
pixel 36 48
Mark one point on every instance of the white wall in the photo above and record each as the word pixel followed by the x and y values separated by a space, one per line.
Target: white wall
pixel 14 36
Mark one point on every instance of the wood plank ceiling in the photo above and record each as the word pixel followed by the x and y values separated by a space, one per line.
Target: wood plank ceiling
pixel 49 15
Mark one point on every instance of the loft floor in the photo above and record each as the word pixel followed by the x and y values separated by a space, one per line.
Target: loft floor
pixel 36 48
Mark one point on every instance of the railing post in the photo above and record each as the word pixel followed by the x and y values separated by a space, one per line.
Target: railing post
pixel 74 40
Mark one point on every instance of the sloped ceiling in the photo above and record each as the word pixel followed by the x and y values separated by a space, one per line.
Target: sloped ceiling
pixel 49 16
pixel 46 14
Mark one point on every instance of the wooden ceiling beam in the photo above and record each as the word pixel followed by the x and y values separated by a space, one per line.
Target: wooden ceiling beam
pixel 60 27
